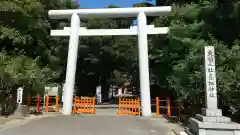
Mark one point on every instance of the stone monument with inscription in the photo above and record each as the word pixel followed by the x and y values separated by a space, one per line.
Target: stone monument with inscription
pixel 21 110
pixel 211 121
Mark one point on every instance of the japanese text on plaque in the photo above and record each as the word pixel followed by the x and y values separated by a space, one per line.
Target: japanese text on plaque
pixel 211 84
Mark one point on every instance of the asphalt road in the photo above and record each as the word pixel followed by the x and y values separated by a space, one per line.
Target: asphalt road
pixel 92 125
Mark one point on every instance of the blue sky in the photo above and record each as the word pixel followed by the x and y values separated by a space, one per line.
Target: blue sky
pixel 104 3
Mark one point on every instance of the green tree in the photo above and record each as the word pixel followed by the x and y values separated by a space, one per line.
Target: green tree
pixel 31 58
pixel 180 53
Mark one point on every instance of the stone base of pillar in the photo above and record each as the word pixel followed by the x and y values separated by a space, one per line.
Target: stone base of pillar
pixel 212 125
pixel 21 111
pixel 211 112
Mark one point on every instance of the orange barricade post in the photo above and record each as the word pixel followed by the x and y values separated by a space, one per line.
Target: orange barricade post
pixel 129 106
pixel 46 103
pixel 75 104
pixel 93 105
pixel 84 105
pixel 157 107
pixel 168 107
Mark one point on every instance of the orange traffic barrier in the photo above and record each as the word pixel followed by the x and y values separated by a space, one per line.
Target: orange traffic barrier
pixel 129 106
pixel 84 105
pixel 57 101
pixel 157 107
pixel 48 103
pixel 168 107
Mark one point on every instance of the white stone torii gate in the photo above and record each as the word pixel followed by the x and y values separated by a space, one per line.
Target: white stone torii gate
pixel 142 30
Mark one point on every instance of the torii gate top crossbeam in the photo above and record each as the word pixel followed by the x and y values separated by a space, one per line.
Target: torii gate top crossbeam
pixel 110 12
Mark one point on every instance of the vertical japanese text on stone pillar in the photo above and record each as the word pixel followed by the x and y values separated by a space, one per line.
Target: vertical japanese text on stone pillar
pixel 210 77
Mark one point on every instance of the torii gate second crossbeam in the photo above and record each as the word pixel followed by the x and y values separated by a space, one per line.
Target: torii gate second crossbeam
pixel 141 30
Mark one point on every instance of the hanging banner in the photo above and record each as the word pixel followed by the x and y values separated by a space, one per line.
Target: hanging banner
pixel 19 95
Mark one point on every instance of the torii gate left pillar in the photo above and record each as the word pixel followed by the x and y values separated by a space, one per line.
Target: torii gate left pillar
pixel 71 65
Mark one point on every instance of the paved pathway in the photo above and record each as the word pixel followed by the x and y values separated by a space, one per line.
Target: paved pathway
pixel 93 125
